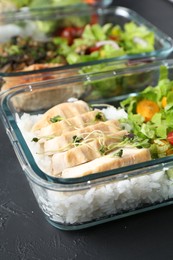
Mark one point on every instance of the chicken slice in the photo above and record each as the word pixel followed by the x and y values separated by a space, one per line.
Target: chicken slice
pixel 65 142
pixel 71 124
pixel 64 110
pixel 86 151
pixel 129 156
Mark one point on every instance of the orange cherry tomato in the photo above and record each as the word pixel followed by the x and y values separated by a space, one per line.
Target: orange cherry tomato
pixel 164 102
pixel 147 109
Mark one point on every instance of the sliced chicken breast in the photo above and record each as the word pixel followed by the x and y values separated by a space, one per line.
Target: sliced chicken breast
pixel 129 156
pixel 86 151
pixel 71 124
pixel 64 110
pixel 66 141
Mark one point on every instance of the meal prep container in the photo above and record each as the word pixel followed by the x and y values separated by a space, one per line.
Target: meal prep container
pixel 37 23
pixel 76 203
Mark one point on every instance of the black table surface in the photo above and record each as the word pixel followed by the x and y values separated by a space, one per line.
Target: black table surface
pixel 26 235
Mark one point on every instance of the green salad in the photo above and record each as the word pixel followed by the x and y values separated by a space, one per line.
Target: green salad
pixel 150 116
pixel 107 41
pixel 76 44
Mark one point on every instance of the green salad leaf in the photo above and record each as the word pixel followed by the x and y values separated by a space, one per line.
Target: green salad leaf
pixel 137 38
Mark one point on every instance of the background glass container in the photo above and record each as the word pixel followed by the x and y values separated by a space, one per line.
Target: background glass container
pixel 38 23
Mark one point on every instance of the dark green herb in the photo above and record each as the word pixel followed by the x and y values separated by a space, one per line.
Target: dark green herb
pixel 99 117
pixel 56 119
pixel 119 153
pixel 103 149
pixel 35 139
pixel 77 140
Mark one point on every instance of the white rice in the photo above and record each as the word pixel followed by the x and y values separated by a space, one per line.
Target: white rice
pixel 77 206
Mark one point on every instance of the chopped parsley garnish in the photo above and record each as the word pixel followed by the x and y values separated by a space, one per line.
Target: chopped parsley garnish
pixel 77 140
pixel 119 153
pixel 103 149
pixel 35 139
pixel 56 119
pixel 99 117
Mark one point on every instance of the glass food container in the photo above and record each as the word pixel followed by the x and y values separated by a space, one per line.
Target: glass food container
pixel 44 24
pixel 81 202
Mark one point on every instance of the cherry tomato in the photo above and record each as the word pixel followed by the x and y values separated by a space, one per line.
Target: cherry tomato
pixel 70 33
pixel 114 38
pixel 170 137
pixel 147 109
pixel 92 49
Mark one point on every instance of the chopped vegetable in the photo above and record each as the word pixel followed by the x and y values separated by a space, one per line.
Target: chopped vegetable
pixel 56 119
pixel 170 137
pixel 100 117
pixel 164 102
pixel 103 149
pixel 147 109
pixel 77 140
pixel 70 33
pixel 119 153
pixel 35 139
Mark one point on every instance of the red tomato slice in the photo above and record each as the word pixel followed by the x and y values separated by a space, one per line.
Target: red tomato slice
pixel 91 49
pixel 170 137
pixel 94 48
pixel 114 38
pixel 70 33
